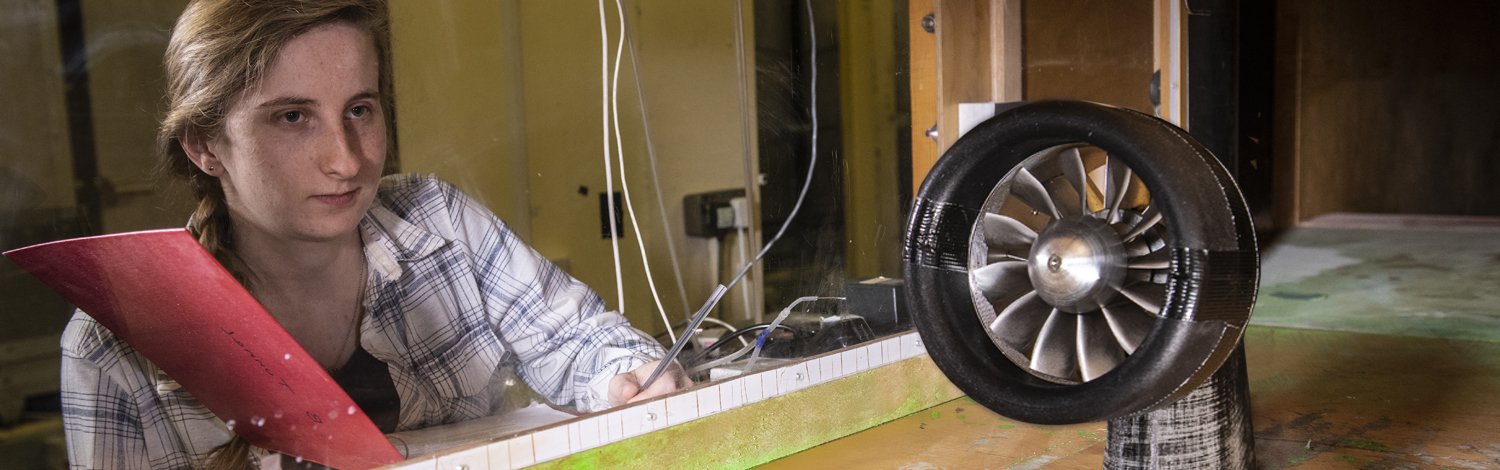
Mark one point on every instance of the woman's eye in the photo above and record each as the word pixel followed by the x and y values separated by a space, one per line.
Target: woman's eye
pixel 359 111
pixel 292 116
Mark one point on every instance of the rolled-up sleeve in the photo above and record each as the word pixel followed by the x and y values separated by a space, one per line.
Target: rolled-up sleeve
pixel 567 344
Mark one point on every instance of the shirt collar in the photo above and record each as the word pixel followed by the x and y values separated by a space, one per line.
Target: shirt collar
pixel 389 240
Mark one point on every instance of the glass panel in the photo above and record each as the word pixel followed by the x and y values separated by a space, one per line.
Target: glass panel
pixel 503 99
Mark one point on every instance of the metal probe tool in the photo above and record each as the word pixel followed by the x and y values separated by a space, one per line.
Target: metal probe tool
pixel 687 335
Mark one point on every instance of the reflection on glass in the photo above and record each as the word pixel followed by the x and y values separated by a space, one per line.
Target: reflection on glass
pixel 502 99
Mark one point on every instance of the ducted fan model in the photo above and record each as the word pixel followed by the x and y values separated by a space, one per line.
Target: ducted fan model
pixel 1071 262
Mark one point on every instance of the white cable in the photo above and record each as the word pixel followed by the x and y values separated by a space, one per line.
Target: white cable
pixel 661 206
pixel 640 241
pixel 715 267
pixel 723 360
pixel 800 197
pixel 760 340
pixel 727 327
pixel 609 176
pixel 752 193
pixel 813 165
pixel 718 293
pixel 742 235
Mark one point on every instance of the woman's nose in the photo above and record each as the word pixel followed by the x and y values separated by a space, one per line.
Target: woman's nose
pixel 340 156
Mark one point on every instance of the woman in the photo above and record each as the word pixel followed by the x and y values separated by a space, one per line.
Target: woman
pixel 413 296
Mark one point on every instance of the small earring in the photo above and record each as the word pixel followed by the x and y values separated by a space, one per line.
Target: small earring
pixel 210 168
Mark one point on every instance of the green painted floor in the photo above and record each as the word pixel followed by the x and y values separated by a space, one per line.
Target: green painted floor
pixel 1376 274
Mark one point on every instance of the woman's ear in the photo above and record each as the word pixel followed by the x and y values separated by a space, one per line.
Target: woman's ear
pixel 197 148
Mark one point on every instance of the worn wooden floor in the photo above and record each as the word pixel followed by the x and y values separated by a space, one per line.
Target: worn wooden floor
pixel 1376 344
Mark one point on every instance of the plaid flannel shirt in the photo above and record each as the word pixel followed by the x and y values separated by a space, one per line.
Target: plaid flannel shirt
pixel 455 301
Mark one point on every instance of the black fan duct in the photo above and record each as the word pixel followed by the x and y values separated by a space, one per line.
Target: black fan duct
pixel 1071 262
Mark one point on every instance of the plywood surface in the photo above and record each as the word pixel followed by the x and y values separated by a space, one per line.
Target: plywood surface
pixel 1324 399
pixel 1393 106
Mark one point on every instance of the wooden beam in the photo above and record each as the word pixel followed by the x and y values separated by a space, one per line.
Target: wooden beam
pixel 972 56
pixel 1169 29
pixel 924 107
pixel 963 62
pixel 1005 45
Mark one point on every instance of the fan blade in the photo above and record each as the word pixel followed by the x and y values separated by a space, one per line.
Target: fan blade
pixel 1158 259
pixel 1018 323
pixel 1030 190
pixel 1129 324
pixel 1148 219
pixel 1097 350
pixel 1115 187
pixel 1072 166
pixel 996 257
pixel 1005 233
pixel 1147 295
pixel 1002 281
pixel 1137 247
pixel 1053 353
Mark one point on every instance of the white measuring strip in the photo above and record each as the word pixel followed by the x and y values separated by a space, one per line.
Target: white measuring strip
pixel 610 426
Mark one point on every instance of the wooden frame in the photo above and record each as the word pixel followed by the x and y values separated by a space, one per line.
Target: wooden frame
pixel 949 67
pixel 1171 60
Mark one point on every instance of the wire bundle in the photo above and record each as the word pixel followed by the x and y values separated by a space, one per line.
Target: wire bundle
pixel 609 103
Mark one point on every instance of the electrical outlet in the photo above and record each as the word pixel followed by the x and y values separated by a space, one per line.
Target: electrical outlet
pixel 605 213
pixel 712 214
pixel 741 210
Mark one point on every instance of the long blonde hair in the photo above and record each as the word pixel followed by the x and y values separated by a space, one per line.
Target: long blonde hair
pixel 218 50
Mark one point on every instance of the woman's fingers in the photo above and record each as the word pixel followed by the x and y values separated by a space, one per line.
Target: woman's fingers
pixel 673 379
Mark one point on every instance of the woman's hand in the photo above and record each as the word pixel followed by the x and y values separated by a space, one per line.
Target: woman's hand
pixel 626 388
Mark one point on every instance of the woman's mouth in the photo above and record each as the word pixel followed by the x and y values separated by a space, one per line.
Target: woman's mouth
pixel 337 200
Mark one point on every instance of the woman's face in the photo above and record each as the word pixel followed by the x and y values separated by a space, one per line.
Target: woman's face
pixel 301 153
